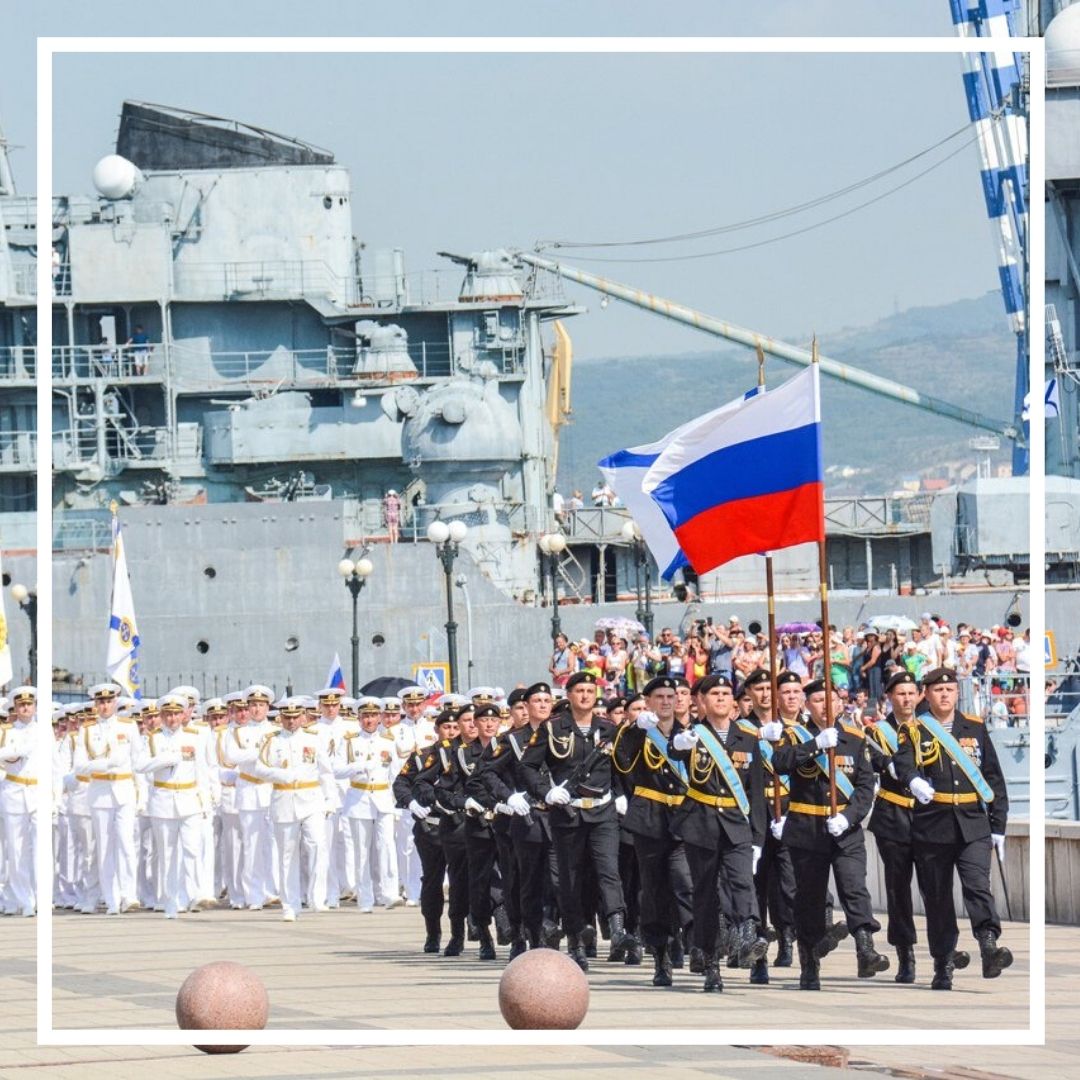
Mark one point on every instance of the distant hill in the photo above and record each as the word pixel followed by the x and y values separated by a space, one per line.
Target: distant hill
pixel 961 352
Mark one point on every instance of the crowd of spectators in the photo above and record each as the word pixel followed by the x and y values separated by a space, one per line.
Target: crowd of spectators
pixel 991 664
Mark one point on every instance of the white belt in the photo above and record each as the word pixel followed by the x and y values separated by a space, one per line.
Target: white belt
pixel 591 804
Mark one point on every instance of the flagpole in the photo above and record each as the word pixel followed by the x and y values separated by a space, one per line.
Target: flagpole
pixel 778 806
pixel 826 637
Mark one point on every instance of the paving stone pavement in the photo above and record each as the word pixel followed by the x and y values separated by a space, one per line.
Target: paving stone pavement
pixel 344 970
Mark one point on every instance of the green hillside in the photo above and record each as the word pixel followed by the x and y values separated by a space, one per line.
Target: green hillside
pixel 961 352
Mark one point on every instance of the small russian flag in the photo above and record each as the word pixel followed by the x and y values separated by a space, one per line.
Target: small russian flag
pixel 745 480
pixel 336 677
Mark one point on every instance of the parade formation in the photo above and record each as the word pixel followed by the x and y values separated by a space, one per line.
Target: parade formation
pixel 697 823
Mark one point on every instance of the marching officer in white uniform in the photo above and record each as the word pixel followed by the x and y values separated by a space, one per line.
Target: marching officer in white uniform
pixel 366 760
pixel 21 763
pixel 173 758
pixel 302 778
pixel 103 752
pixel 331 729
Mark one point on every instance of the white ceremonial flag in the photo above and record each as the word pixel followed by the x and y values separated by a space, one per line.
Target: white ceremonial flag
pixel 122 655
pixel 5 647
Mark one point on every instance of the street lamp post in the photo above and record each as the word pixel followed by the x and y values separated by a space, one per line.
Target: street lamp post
pixel 553 545
pixel 27 600
pixel 447 539
pixel 632 534
pixel 355 575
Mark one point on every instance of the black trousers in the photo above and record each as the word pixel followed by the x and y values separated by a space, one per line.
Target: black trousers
pixel 598 843
pixel 935 864
pixel 666 889
pixel 630 877
pixel 481 854
pixel 432 872
pixel 452 838
pixel 508 872
pixel 898 862
pixel 848 865
pixel 775 884
pixel 722 881
pixel 533 862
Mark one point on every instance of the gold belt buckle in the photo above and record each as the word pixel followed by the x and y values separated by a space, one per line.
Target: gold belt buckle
pixel 587 804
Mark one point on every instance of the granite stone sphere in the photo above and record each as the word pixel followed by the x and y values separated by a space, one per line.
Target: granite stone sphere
pixel 543 988
pixel 222 995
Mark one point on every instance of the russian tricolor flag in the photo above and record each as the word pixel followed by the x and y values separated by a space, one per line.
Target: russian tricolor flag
pixel 335 677
pixel 746 479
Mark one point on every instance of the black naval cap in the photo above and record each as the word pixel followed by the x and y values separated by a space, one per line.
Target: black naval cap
pixel 710 682
pixel 483 711
pixel 580 677
pixel 815 686
pixel 939 675
pixel 901 678
pixel 681 681
pixel 536 688
pixel 786 677
pixel 758 675
pixel 516 695
pixel 561 706
pixel 447 716
pixel 661 682
pixel 615 703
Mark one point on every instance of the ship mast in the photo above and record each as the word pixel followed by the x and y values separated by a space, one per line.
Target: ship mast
pixel 7 178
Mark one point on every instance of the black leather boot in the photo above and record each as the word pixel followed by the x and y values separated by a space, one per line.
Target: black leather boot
pixel 588 941
pixel 809 968
pixel 534 937
pixel 712 973
pixel 487 946
pixel 457 938
pixel 869 959
pixel 434 933
pixel 617 925
pixel 633 953
pixel 905 959
pixel 576 951
pixel 551 932
pixel 517 947
pixel 995 958
pixel 722 937
pixel 784 957
pixel 676 953
pixel 943 969
pixel 753 946
pixel 960 959
pixel 697 960
pixel 472 933
pixel 661 966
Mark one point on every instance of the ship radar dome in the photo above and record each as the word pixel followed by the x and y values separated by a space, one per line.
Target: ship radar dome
pixel 1063 48
pixel 115 177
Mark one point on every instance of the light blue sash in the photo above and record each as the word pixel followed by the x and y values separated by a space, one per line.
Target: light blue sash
pixel 726 767
pixel 888 733
pixel 843 784
pixel 657 740
pixel 766 755
pixel 955 751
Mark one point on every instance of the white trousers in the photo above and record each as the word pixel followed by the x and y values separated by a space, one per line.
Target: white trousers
pixel 376 856
pixel 229 852
pixel 178 842
pixel 300 840
pixel 408 861
pixel 20 836
pixel 257 865
pixel 149 868
pixel 114 840
pixel 85 872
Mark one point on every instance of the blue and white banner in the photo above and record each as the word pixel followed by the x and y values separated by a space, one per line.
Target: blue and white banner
pixel 122 654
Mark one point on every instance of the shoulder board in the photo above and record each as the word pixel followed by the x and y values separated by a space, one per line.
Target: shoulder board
pixel 351 734
pixel 496 751
pixel 311 729
pixel 973 719
pixel 749 728
pixel 387 735
pixel 445 743
pixel 190 730
pixel 125 719
pixel 852 730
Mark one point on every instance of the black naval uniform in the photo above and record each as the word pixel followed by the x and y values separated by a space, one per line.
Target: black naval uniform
pixel 952 832
pixel 719 841
pixel 814 851
pixel 434 786
pixel 586 828
pixel 890 822
pixel 655 791
pixel 428 847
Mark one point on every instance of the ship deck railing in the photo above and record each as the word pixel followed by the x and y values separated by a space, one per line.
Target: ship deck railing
pixel 18 450
pixel 122 446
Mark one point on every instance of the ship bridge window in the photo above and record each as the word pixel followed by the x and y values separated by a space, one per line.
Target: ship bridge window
pixel 491 325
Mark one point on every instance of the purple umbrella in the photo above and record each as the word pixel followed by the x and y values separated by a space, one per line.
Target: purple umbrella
pixel 798 628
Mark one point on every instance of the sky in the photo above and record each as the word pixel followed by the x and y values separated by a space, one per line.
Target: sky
pixel 463 152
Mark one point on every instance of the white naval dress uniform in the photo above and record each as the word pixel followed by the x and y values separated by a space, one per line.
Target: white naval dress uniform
pixel 230 846
pixel 175 807
pixel 240 752
pixel 303 787
pixel 18 804
pixel 330 733
pixel 366 761
pixel 85 872
pixel 64 894
pixel 408 862
pixel 103 752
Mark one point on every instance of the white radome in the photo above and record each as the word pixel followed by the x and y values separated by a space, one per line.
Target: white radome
pixel 1063 48
pixel 115 177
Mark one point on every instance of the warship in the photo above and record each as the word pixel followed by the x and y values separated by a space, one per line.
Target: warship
pixel 245 384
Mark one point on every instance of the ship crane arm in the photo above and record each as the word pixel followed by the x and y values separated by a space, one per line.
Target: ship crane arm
pixel 709 324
